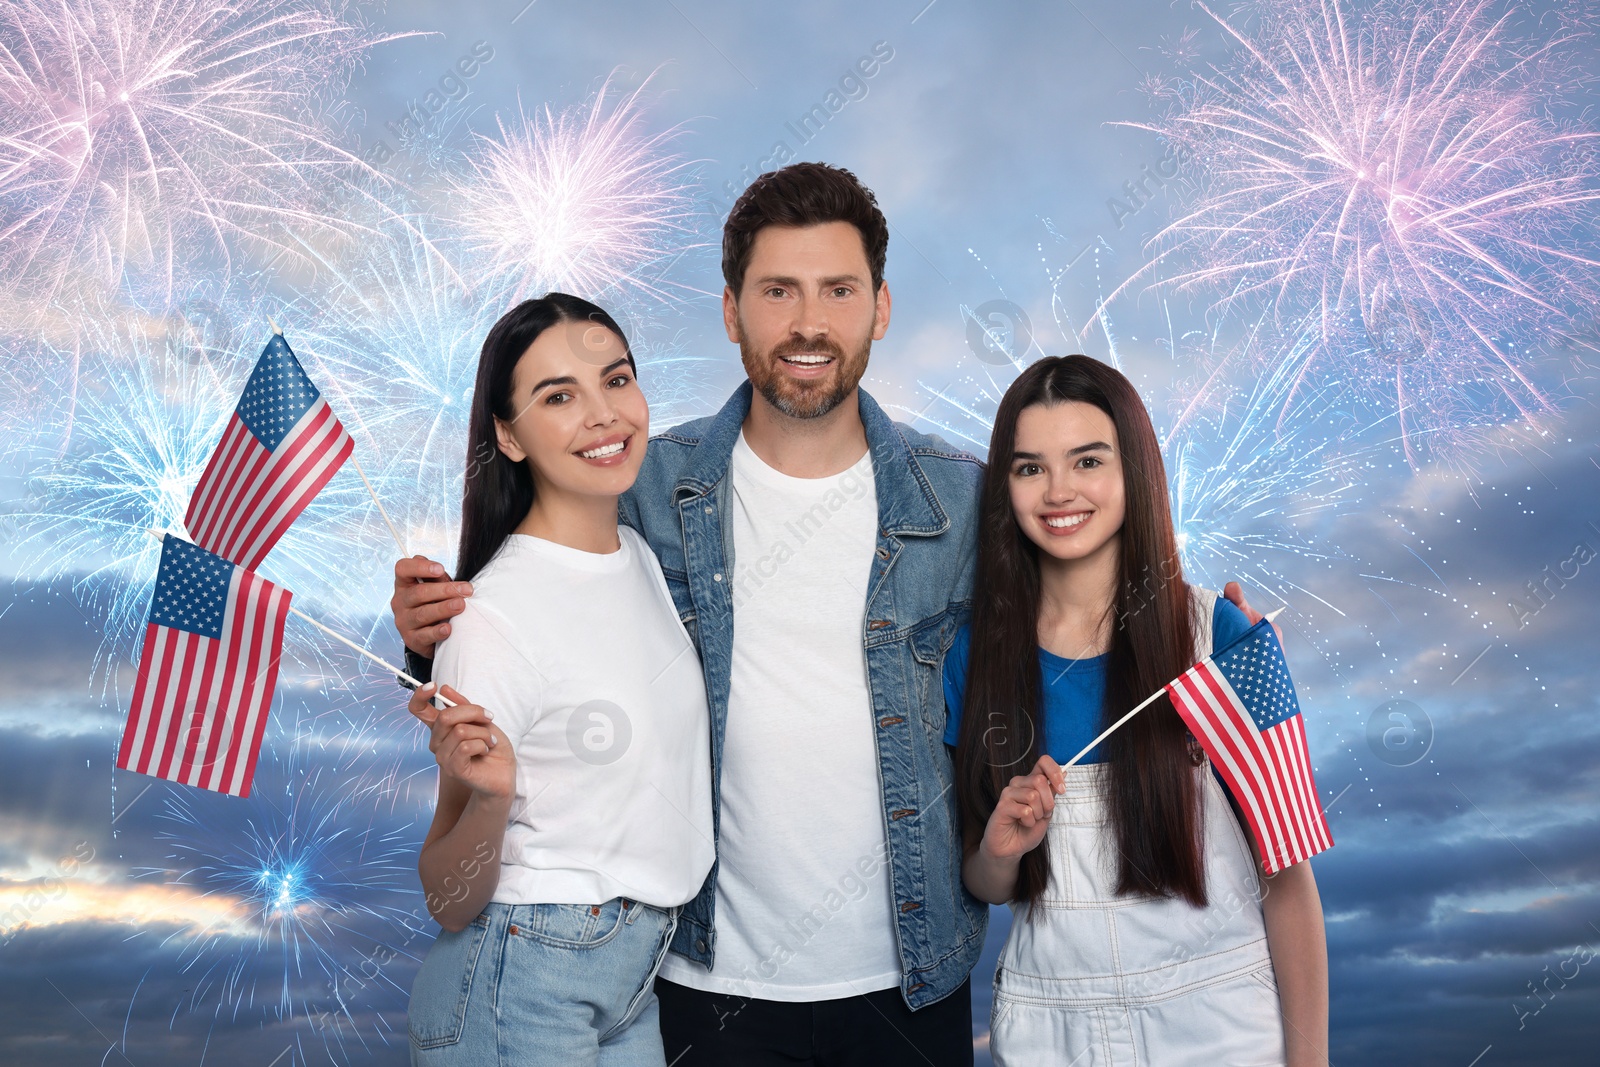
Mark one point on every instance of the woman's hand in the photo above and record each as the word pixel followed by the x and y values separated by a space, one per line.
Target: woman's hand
pixel 472 750
pixel 1021 817
pixel 421 703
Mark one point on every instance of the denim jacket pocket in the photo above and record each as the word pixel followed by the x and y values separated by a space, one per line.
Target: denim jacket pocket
pixel 930 639
pixel 438 1008
pixel 574 926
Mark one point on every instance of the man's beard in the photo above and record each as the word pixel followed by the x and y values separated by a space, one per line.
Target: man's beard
pixel 803 399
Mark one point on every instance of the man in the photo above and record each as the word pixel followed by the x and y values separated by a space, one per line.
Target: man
pixel 820 556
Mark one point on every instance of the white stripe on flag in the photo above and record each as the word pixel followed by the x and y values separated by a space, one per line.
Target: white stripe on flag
pixel 145 711
pixel 296 464
pixel 223 481
pixel 1283 782
pixel 252 670
pixel 183 653
pixel 1202 707
pixel 1290 740
pixel 1227 726
pixel 1308 787
pixel 215 720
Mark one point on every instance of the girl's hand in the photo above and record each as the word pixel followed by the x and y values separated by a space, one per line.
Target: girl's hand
pixel 472 750
pixel 1021 818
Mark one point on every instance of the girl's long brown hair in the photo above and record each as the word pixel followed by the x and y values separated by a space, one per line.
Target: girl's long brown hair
pixel 1154 803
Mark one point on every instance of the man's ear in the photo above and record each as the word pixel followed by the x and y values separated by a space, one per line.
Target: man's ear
pixel 880 312
pixel 730 314
pixel 508 444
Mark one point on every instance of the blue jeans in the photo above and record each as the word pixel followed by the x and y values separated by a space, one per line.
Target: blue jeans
pixel 544 984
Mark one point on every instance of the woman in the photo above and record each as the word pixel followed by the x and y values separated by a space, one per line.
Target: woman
pixel 574 810
pixel 1143 933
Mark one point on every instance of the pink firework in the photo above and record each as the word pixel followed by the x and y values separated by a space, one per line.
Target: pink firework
pixel 137 136
pixel 585 200
pixel 1393 183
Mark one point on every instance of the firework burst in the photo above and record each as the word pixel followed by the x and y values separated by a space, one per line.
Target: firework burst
pixel 324 920
pixel 151 406
pixel 394 331
pixel 1256 474
pixel 393 334
pixel 136 135
pixel 584 200
pixel 1392 183
pixel 143 430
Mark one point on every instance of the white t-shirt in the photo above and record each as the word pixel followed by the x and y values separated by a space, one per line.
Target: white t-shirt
pixel 582 661
pixel 804 909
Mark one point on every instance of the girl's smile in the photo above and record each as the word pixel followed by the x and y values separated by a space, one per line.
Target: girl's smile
pixel 1064 523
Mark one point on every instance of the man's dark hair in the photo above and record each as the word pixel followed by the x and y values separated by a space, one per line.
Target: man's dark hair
pixel 803 194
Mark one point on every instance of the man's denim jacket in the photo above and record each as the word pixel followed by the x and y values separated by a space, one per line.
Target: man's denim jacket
pixel 919 594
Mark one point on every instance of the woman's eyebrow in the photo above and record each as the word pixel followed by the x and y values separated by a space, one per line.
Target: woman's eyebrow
pixel 565 379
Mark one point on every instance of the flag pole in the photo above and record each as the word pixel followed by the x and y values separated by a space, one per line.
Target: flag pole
pixel 1109 730
pixel 374 657
pixel 343 640
pixel 393 532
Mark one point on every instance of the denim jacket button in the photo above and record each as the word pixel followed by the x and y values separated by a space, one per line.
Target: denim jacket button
pixel 716 577
pixel 700 944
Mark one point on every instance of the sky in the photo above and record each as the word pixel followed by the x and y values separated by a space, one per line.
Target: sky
pixel 1441 602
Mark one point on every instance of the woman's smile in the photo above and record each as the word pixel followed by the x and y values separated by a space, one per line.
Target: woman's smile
pixel 608 451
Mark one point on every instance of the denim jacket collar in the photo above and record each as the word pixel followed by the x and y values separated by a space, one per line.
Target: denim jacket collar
pixel 907 504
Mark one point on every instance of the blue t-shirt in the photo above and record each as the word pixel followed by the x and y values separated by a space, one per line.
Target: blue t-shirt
pixel 1073 689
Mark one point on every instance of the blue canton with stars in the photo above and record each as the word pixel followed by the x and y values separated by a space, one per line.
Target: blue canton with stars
pixel 277 394
pixel 1254 666
pixel 191 589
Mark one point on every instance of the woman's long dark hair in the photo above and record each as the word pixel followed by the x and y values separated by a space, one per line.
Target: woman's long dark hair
pixel 498 490
pixel 1154 796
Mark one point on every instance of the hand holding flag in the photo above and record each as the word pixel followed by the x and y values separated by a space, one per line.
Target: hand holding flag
pixel 1240 705
pixel 208 669
pixel 215 636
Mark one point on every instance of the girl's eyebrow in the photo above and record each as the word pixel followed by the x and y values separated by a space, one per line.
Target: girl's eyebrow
pixel 1092 446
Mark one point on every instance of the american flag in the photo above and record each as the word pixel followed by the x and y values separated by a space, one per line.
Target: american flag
pixel 281 446
pixel 1240 705
pixel 207 672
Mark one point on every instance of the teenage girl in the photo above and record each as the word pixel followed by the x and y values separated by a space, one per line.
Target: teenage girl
pixel 1143 932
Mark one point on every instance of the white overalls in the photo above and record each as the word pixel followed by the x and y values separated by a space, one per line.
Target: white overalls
pixel 1098 980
